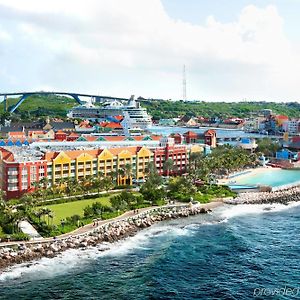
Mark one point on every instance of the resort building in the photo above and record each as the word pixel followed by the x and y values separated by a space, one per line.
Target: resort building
pixel 21 168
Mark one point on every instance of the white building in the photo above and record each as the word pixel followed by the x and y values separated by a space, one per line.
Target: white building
pixel 292 126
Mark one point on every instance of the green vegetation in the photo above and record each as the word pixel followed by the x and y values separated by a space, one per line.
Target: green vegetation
pixel 199 184
pixel 37 106
pixel 64 210
pixel 9 219
pixel 222 161
pixel 168 109
pixel 268 147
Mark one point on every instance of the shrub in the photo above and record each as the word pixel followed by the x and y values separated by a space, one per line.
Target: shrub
pixel 20 236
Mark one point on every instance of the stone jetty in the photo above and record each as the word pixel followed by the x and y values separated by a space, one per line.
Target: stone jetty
pixel 109 232
pixel 280 196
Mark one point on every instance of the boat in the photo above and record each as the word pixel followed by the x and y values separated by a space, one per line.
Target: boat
pixel 136 115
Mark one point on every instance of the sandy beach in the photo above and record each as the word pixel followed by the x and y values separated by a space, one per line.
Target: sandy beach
pixel 245 173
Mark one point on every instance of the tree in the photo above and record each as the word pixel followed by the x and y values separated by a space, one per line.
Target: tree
pixel 107 183
pixel 118 202
pixel 153 190
pixel 168 166
pixel 128 172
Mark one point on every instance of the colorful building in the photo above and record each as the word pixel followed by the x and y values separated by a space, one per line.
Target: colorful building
pixel 22 168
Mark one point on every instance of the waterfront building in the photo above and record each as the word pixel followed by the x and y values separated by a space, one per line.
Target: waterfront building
pixel 291 126
pixel 209 137
pixel 22 167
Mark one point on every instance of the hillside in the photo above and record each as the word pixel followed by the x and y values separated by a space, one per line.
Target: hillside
pixel 42 105
pixel 52 105
pixel 168 109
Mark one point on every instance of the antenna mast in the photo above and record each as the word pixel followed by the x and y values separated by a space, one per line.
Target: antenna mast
pixel 183 84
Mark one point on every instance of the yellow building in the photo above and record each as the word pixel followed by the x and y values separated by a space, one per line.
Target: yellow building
pixel 122 164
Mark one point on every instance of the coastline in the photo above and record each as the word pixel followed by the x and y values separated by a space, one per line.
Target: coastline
pixel 111 231
pixel 284 196
pixel 126 225
pixel 245 173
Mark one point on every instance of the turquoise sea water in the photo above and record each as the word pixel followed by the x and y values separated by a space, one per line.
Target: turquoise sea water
pixel 270 177
pixel 237 252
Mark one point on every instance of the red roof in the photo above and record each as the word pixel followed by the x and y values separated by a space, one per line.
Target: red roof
pixel 114 138
pixel 73 134
pixel 119 118
pixel 60 132
pixel 114 125
pixel 282 117
pixel 190 133
pixel 210 132
pixel 16 133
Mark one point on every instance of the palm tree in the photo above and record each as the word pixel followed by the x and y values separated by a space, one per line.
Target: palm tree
pixel 168 166
pixel 107 183
pixel 44 182
pixel 128 172
pixel 120 174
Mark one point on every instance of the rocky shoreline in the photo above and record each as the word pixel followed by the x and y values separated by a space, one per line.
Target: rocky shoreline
pixel 109 232
pixel 280 196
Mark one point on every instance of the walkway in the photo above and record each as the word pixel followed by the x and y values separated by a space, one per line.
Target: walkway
pixel 89 227
pixel 27 228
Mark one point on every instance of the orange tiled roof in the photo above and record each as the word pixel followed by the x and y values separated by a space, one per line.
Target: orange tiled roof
pixel 119 118
pixel 90 138
pixel 113 125
pixel 210 132
pixel 282 117
pixel 156 137
pixel 114 138
pixel 49 156
pixel 16 133
pixel 7 155
pixel 190 133
pixel 60 132
pixel 73 134
pixel 118 150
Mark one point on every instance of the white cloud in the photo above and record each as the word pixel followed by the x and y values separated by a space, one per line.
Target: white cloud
pixel 121 47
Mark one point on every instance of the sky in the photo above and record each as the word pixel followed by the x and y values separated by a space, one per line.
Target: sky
pixel 233 50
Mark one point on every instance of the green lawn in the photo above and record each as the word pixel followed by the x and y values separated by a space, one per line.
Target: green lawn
pixel 64 210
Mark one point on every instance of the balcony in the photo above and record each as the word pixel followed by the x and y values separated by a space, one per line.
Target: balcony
pixel 12 172
pixel 12 188
pixel 12 180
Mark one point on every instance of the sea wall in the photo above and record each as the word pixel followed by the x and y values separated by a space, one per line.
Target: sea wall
pixel 281 196
pixel 109 232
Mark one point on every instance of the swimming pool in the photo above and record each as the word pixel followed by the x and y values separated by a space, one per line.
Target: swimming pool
pixel 270 177
pixel 241 187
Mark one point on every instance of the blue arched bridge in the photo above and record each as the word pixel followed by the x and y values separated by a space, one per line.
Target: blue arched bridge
pixel 25 95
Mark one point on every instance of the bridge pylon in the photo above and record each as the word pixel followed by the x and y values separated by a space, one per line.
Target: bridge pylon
pixel 5 103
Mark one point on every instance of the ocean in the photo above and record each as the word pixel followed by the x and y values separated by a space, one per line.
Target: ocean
pixel 236 252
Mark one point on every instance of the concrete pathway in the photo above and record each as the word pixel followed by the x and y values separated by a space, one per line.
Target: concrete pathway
pixel 89 227
pixel 27 228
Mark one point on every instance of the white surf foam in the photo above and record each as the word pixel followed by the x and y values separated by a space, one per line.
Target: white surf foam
pixel 245 209
pixel 76 258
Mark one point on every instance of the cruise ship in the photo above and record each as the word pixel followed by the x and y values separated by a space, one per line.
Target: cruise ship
pixel 135 115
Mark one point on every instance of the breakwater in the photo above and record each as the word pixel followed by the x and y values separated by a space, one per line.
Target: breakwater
pixel 109 232
pixel 280 196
